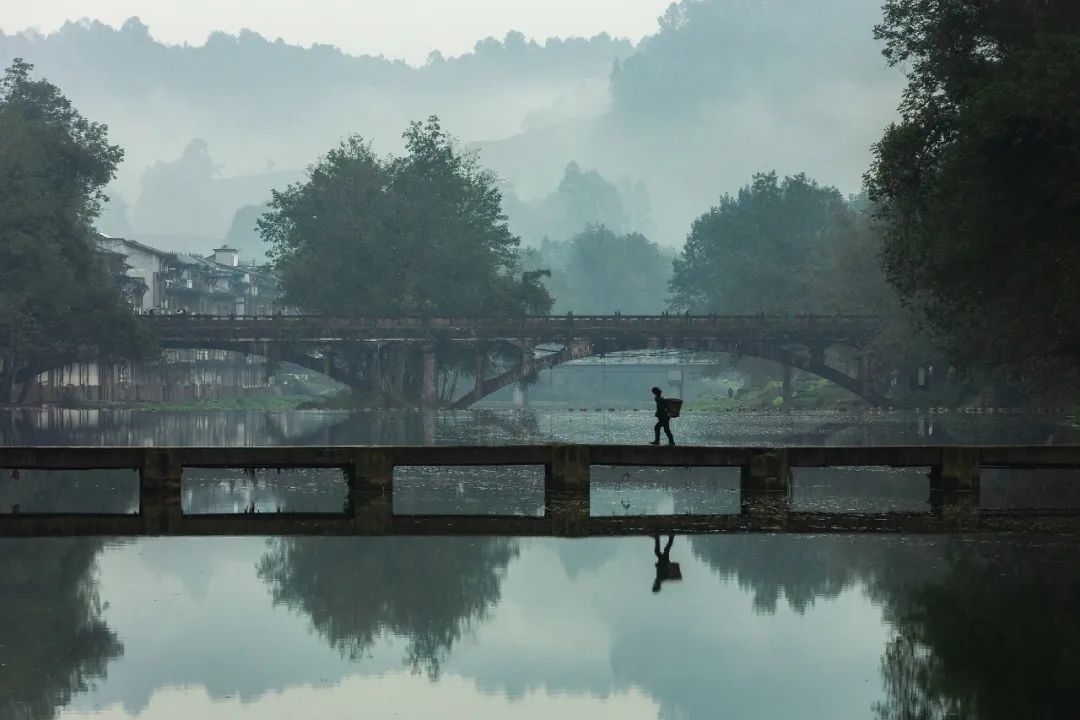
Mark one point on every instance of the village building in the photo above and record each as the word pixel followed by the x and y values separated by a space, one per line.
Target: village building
pixel 157 281
pixel 216 284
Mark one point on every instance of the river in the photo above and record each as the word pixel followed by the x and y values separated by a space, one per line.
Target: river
pixel 757 626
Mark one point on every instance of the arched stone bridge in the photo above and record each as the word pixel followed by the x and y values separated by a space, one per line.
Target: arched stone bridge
pixel 324 344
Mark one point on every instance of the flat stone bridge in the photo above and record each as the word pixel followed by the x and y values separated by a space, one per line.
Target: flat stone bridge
pixel 351 350
pixel 765 488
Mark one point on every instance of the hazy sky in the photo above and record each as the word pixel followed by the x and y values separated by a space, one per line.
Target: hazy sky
pixel 396 28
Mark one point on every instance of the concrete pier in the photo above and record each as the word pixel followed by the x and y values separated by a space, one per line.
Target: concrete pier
pixel 768 471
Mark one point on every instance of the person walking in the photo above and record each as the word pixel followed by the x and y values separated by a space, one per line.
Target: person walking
pixel 663 418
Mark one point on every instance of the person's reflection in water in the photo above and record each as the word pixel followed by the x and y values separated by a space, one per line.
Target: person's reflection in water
pixel 665 569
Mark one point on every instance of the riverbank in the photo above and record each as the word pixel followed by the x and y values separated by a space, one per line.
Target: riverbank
pixel 263 402
pixel 809 393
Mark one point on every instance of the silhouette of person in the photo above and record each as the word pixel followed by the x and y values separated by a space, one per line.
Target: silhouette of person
pixel 663 562
pixel 663 418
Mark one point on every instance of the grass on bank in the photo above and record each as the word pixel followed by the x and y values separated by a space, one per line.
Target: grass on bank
pixel 808 393
pixel 267 402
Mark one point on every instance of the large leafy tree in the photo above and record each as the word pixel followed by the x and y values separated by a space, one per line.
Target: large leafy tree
pixel 778 246
pixel 978 183
pixel 420 234
pixel 55 294
pixel 582 198
pixel 601 271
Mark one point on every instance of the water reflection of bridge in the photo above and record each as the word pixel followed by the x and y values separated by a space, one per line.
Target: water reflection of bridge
pixel 368 475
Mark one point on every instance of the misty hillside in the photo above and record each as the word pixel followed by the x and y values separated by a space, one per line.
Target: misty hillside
pixel 724 89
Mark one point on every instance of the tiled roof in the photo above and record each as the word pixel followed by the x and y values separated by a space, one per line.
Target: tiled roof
pixel 141 246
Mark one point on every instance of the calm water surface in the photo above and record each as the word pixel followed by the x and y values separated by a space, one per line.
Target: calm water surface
pixel 763 626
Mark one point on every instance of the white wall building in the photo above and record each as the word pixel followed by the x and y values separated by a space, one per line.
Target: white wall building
pixel 151 265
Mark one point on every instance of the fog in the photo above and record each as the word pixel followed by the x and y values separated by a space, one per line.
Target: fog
pixel 723 89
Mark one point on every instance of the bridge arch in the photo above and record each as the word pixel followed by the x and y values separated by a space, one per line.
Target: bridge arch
pixel 341 347
pixel 807 359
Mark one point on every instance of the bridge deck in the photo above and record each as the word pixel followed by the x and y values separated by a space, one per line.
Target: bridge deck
pixel 311 341
pixel 765 489
pixel 301 328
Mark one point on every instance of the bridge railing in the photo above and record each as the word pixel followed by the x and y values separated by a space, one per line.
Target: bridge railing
pixel 644 323
pixel 369 472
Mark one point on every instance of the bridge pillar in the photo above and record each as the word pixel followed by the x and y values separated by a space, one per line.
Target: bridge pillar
pixel 374 378
pixel 427 421
pixel 958 471
pixel 429 388
pixel 677 382
pixel 566 490
pixel 528 358
pixel 371 490
pixel 159 492
pixel 864 370
pixel 954 488
pixel 767 472
pixel 521 394
pixel 764 484
pixel 479 370
pixel 788 372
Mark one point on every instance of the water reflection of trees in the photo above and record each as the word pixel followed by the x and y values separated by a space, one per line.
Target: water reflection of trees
pixel 69 491
pixel 774 566
pixel 53 640
pixel 429 591
pixel 981 629
pixel 997 638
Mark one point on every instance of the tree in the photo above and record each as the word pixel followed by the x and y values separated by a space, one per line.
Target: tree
pixel 419 234
pixel 582 198
pixel 114 218
pixel 778 246
pixel 55 295
pixel 977 184
pixel 603 272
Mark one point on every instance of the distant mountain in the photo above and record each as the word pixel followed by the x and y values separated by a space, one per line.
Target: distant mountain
pixel 259 103
pixel 724 89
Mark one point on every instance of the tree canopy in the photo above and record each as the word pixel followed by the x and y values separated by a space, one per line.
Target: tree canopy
pixel 603 271
pixel 581 198
pixel 978 184
pixel 423 233
pixel 787 245
pixel 55 294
